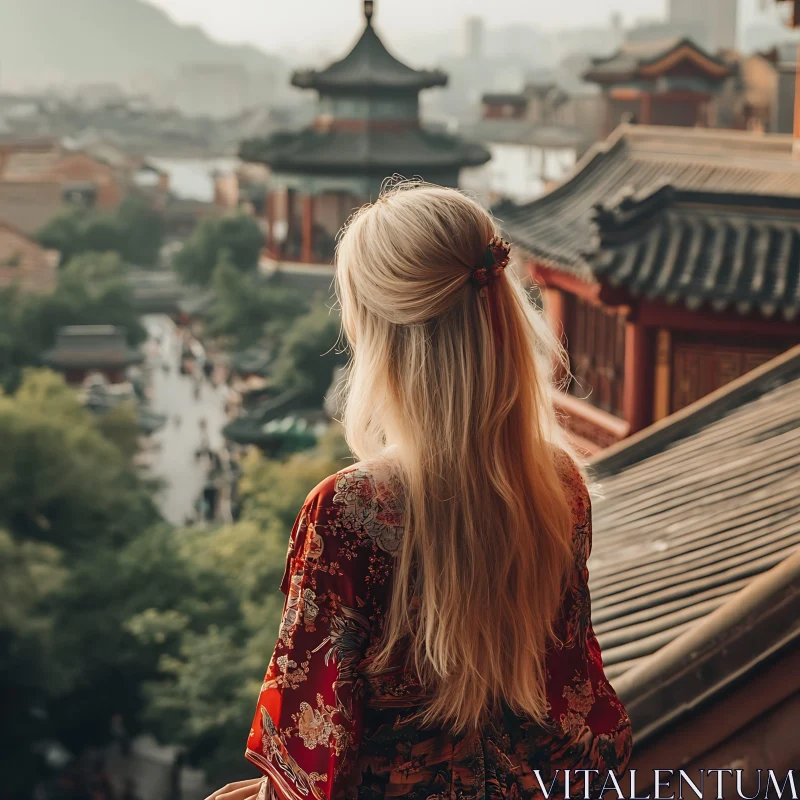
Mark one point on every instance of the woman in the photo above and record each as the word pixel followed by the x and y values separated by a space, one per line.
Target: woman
pixel 436 639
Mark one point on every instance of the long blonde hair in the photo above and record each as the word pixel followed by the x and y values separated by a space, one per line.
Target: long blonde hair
pixel 466 401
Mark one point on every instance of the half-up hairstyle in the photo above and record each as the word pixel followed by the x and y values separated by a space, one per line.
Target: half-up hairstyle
pixel 457 378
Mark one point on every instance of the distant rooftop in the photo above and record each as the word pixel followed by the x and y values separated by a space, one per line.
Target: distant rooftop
pixel 91 346
pixel 91 330
pixel 355 151
pixel 369 66
pixel 635 58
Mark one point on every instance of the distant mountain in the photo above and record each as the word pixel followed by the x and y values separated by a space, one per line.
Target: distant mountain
pixel 75 41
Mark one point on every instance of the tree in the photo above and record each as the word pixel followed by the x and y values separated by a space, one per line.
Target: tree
pixel 98 234
pixel 309 353
pixel 141 232
pixel 238 234
pixel 61 481
pixel 87 568
pixel 29 573
pixel 120 426
pixel 246 307
pixel 64 233
pixel 91 289
pixel 206 694
pixel 135 231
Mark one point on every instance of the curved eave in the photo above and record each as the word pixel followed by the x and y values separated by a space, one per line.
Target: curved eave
pixel 368 67
pixel 60 361
pixel 313 151
pixel 366 84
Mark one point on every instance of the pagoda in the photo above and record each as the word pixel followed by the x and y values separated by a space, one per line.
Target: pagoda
pixel 367 128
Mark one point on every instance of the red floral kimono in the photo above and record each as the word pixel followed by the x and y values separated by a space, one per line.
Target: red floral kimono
pixel 323 730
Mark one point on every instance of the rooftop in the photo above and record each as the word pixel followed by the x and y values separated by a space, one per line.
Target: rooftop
pixel 365 143
pixel 648 59
pixel 368 67
pixel 560 229
pixel 505 99
pixel 724 249
pixel 695 514
pixel 258 425
pixel 91 346
pixel 365 150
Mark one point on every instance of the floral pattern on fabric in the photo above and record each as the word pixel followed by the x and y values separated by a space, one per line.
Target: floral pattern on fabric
pixel 323 730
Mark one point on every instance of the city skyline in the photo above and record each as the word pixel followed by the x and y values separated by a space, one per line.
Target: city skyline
pixel 324 25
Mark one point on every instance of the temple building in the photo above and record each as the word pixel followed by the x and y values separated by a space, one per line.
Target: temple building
pixel 367 128
pixel 670 265
pixel 665 82
pixel 81 350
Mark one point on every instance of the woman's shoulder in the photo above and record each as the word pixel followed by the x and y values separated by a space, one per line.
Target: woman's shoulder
pixel 367 499
pixel 573 482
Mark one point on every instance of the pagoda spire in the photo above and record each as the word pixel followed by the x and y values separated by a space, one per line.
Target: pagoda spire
pixel 369 10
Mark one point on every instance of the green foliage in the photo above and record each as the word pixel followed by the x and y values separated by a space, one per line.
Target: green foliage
pixel 71 510
pixel 245 307
pixel 238 234
pixel 111 597
pixel 120 426
pixel 309 353
pixel 141 232
pixel 206 694
pixel 29 573
pixel 135 231
pixel 94 588
pixel 61 481
pixel 92 290
pixel 64 233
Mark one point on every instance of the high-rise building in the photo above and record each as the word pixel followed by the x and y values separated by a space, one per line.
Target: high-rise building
pixel 711 23
pixel 473 37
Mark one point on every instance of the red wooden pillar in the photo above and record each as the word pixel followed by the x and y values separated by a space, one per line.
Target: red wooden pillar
pixel 555 313
pixel 307 256
pixel 637 398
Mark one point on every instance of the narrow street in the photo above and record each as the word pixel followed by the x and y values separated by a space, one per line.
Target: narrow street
pixel 173 458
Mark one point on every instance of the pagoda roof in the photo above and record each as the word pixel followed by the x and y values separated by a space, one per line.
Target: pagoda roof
pixel 368 66
pixel 90 346
pixel 725 249
pixel 649 59
pixel 368 150
pixel 561 229
pixel 252 427
pixel 695 567
pixel 518 99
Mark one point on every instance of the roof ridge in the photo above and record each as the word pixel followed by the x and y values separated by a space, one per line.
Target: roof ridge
pixel 703 412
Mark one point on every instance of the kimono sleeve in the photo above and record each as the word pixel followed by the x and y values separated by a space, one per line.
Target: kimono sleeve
pixel 308 721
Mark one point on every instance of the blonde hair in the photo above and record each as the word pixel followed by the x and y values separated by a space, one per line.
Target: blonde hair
pixel 466 401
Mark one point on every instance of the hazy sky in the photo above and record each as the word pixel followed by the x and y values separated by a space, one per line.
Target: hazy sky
pixel 330 24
